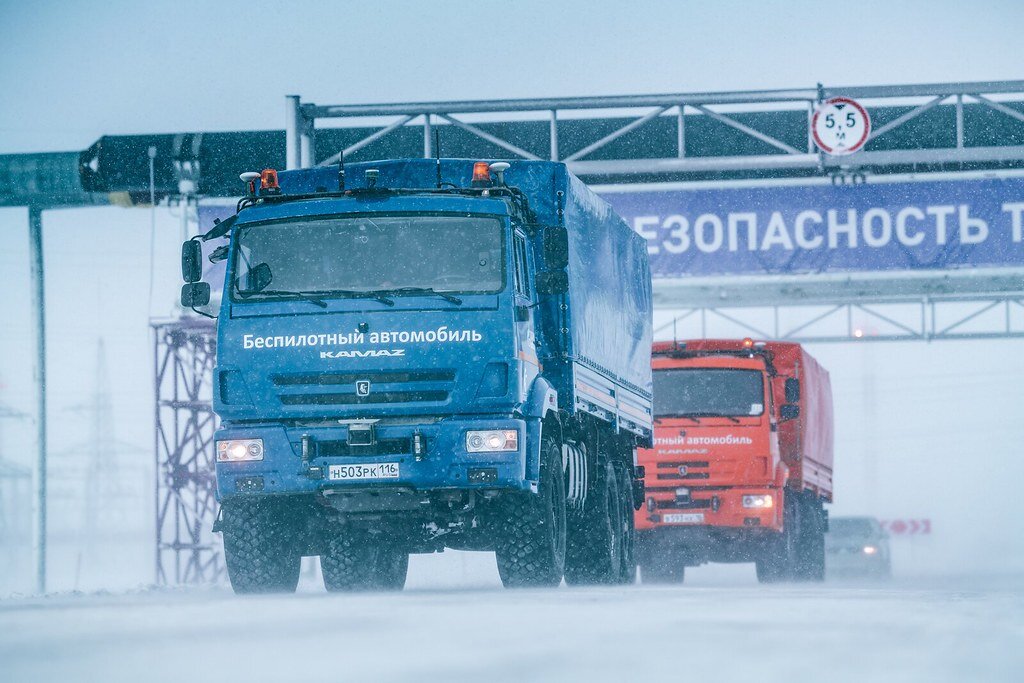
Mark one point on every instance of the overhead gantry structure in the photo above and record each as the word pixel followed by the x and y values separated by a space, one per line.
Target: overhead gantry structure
pixel 766 132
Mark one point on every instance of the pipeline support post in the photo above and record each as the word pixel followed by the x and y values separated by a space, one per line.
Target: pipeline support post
pixel 35 228
pixel 293 132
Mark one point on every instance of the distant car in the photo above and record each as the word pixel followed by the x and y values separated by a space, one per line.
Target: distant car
pixel 857 546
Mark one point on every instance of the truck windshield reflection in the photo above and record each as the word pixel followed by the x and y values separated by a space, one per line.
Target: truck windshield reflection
pixel 708 392
pixel 395 254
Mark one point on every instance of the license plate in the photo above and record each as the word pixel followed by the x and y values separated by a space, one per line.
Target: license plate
pixel 377 470
pixel 685 518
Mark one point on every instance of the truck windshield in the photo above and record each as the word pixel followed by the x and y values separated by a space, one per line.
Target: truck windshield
pixel 402 255
pixel 708 392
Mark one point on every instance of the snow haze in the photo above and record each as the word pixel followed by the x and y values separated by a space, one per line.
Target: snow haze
pixel 925 431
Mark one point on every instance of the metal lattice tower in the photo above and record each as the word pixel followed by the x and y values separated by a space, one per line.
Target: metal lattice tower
pixel 186 549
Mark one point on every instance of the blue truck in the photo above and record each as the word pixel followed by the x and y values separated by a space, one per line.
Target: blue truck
pixel 415 355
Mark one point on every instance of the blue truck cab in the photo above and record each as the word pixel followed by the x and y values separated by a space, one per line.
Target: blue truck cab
pixel 421 354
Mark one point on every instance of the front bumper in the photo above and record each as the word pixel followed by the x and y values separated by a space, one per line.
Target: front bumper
pixel 721 508
pixel 854 562
pixel 443 463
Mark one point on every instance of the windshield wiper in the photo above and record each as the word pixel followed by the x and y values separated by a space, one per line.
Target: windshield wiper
pixel 305 296
pixel 360 294
pixel 425 290
pixel 694 416
pixel 315 297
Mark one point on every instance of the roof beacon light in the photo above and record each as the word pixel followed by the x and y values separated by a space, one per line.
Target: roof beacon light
pixel 372 174
pixel 481 174
pixel 268 181
pixel 748 343
pixel 250 178
pixel 499 168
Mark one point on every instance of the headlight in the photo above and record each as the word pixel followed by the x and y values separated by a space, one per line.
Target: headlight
pixel 870 550
pixel 239 450
pixel 492 440
pixel 764 501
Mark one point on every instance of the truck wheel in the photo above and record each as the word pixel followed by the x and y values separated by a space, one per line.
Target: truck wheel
pixel 768 570
pixel 779 555
pixel 661 566
pixel 348 563
pixel 258 547
pixel 595 551
pixel 530 547
pixel 811 549
pixel 629 563
pixel 392 568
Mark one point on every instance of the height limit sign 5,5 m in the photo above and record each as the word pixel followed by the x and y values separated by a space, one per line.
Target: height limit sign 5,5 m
pixel 840 126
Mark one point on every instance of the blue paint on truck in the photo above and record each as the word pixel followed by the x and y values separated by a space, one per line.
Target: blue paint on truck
pixel 410 359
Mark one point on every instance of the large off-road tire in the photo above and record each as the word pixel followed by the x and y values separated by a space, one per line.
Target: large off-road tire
pixel 629 556
pixel 354 561
pixel 810 557
pixel 779 555
pixel 392 568
pixel 531 528
pixel 662 565
pixel 259 547
pixel 595 549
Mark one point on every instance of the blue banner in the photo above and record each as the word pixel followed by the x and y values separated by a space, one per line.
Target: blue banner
pixel 876 226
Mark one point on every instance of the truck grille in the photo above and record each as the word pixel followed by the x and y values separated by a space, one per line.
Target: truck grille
pixel 341 378
pixel 342 449
pixel 671 504
pixel 339 388
pixel 672 471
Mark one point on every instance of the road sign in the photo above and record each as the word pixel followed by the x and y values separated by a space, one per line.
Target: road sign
pixel 907 527
pixel 840 126
pixel 699 230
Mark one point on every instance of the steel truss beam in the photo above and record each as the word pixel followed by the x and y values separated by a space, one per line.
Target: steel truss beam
pixel 995 317
pixel 721 107
pixel 186 549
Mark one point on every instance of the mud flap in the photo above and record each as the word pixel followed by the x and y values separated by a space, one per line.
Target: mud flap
pixel 639 493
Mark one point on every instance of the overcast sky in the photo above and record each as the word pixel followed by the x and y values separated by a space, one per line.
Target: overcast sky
pixel 73 71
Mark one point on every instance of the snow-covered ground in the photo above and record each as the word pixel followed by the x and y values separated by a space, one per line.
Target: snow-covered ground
pixel 454 622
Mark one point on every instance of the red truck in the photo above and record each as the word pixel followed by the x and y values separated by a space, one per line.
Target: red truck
pixel 742 460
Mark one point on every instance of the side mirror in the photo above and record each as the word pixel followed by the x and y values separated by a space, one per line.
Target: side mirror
pixel 219 254
pixel 257 279
pixel 195 294
pixel 553 282
pixel 192 261
pixel 792 390
pixel 556 247
pixel 789 411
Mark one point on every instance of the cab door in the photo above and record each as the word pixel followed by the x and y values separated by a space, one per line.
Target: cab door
pixel 526 339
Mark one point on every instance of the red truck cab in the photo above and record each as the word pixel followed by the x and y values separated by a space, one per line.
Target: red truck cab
pixel 742 460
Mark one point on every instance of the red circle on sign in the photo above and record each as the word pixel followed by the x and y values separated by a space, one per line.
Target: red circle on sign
pixel 841 100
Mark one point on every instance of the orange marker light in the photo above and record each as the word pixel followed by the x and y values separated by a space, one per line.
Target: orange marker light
pixel 268 180
pixel 748 343
pixel 481 173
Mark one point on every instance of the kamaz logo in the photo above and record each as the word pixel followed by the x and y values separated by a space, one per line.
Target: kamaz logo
pixel 372 353
pixel 363 387
pixel 683 469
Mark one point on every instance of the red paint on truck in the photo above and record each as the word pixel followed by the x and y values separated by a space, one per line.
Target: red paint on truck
pixel 742 460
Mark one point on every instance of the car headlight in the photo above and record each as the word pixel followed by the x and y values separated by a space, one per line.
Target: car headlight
pixel 492 440
pixel 764 501
pixel 239 450
pixel 870 550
